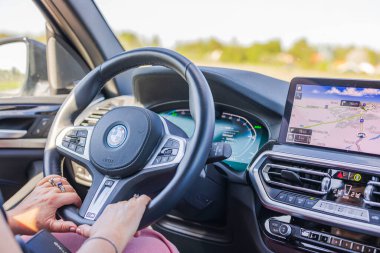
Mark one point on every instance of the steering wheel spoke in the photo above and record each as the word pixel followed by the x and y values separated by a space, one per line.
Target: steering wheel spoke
pixel 100 194
pixel 74 143
pixel 106 190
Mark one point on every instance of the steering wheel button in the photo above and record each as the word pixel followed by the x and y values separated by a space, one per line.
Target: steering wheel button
pixel 72 146
pixel 157 160
pixel 108 183
pixel 171 144
pixel 80 150
pixel 90 215
pixel 171 158
pixel 65 144
pixel 165 159
pixel 82 141
pixel 166 151
pixel 168 144
pixel 175 144
pixel 82 133
pixel 67 138
pixel 174 151
pixel 72 133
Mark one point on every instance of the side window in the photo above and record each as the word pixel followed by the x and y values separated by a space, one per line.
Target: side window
pixel 25 53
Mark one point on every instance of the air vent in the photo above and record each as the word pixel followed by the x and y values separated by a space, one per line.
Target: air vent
pixel 97 114
pixel 314 180
pixel 372 194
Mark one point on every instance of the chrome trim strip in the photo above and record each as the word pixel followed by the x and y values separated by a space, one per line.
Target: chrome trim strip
pixel 268 166
pixel 278 166
pixel 23 143
pixel 305 213
pixel 100 198
pixel 375 183
pixel 12 134
pixel 371 203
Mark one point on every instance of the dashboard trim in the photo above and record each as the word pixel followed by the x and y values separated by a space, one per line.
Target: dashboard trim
pixel 304 213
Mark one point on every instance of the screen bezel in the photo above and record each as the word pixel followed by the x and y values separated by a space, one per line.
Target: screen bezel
pixel 322 82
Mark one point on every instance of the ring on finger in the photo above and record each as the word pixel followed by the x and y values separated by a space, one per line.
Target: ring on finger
pixel 136 196
pixel 51 181
pixel 61 187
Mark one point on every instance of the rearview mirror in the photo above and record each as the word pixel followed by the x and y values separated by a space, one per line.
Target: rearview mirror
pixel 23 69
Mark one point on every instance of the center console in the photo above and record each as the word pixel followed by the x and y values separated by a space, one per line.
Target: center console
pixel 340 196
pixel 322 180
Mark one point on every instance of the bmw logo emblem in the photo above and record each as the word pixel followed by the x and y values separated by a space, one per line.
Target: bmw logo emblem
pixel 116 136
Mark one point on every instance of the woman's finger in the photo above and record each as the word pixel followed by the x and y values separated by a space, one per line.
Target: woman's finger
pixel 67 198
pixel 68 188
pixel 46 179
pixel 55 179
pixel 144 199
pixel 62 226
pixel 84 230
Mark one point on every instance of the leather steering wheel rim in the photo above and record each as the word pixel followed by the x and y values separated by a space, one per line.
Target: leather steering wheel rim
pixel 197 148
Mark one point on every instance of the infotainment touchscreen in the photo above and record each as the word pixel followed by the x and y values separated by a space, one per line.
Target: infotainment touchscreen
pixel 338 114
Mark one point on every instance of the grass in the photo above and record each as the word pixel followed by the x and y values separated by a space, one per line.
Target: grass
pixel 9 85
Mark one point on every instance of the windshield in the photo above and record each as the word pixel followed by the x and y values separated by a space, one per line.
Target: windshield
pixel 282 39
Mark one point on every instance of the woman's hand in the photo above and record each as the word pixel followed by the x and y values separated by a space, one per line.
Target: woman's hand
pixel 118 223
pixel 38 210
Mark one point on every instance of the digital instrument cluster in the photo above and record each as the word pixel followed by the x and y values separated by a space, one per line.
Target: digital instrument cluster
pixel 245 136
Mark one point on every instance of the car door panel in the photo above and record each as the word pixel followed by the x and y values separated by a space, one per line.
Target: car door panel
pixel 24 126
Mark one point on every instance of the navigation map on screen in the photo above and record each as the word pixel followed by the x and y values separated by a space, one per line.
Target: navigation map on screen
pixel 345 118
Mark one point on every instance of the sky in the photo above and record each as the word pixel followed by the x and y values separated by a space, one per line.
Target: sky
pixel 338 22
pixel 341 93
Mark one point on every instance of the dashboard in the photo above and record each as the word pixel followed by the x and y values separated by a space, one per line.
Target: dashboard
pixel 246 136
pixel 315 189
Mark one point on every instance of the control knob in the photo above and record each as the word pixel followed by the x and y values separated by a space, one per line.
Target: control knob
pixel 285 230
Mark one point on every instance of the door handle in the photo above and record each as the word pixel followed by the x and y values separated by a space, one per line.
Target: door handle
pixel 12 134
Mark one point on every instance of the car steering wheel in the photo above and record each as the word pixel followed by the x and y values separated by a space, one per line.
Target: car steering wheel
pixel 132 150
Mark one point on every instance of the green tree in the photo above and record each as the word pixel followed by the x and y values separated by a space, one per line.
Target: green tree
pixel 373 56
pixel 129 40
pixel 303 53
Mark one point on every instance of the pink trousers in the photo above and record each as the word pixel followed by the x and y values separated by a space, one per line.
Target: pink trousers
pixel 147 241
